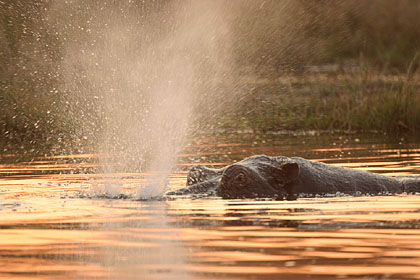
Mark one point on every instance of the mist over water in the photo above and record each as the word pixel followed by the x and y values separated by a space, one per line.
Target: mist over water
pixel 132 71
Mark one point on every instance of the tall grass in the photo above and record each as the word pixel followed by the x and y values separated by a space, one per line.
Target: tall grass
pixel 357 99
pixel 278 35
pixel 369 100
pixel 273 43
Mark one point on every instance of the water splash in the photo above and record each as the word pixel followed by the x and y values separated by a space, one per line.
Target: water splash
pixel 131 71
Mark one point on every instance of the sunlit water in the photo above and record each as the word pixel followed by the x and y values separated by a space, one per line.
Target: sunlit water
pixel 56 224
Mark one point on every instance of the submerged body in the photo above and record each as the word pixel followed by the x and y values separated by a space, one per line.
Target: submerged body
pixel 283 177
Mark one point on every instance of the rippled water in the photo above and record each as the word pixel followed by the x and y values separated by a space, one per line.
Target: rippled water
pixel 54 225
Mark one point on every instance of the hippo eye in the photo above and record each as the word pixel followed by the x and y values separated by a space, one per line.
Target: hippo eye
pixel 240 178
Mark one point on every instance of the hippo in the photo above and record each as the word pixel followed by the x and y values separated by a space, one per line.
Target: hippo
pixel 281 177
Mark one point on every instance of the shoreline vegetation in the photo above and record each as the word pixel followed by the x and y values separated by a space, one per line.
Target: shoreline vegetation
pixel 350 66
pixel 356 99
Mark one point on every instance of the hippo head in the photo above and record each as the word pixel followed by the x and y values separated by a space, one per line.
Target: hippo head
pixel 258 176
pixel 263 180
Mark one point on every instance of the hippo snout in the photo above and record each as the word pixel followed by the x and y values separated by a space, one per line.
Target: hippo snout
pixel 199 174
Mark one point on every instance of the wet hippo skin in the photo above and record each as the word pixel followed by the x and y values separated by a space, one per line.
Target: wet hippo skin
pixel 283 177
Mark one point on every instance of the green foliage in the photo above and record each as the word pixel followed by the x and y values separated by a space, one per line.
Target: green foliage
pixel 29 54
pixel 279 35
pixel 361 100
pixel 274 43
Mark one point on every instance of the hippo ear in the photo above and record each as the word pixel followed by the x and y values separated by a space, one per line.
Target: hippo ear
pixel 289 171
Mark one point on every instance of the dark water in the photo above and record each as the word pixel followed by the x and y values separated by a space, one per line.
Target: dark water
pixel 54 225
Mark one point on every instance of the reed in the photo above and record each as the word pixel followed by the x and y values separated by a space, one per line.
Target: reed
pixel 368 78
pixel 358 99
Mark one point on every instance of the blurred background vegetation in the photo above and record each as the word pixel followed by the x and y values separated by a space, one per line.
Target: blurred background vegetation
pixel 274 35
pixel 299 64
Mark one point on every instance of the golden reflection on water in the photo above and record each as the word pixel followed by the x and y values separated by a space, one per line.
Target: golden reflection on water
pixel 53 226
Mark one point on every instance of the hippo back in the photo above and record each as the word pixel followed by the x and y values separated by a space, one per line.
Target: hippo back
pixel 318 178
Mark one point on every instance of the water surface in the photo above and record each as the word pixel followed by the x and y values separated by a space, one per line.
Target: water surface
pixel 57 225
